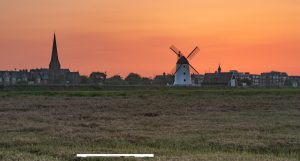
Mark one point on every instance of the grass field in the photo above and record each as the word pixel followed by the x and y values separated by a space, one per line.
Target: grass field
pixel 174 124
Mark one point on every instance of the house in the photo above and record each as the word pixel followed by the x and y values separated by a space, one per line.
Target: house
pixel 255 80
pixel 274 79
pixel 39 76
pixel 197 79
pixel 293 81
pixel 243 79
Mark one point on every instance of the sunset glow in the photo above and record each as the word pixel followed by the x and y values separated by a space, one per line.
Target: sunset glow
pixel 123 36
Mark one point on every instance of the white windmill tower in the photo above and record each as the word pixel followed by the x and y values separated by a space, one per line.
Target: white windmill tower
pixel 183 67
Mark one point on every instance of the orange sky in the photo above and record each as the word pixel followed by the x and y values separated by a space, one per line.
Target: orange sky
pixel 121 36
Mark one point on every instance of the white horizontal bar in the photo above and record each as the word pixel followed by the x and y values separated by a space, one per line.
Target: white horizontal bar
pixel 116 155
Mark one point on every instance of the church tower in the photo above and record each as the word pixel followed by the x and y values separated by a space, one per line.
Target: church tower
pixel 219 69
pixel 54 63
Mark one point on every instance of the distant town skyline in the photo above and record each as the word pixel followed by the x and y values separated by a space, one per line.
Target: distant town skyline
pixel 128 36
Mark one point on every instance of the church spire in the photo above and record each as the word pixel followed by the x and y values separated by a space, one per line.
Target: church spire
pixel 54 63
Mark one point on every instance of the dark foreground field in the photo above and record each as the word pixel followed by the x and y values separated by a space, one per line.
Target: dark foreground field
pixel 174 124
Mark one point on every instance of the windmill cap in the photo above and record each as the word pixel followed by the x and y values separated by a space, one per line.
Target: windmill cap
pixel 182 60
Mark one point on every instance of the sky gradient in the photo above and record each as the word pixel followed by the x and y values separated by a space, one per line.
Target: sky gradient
pixel 122 36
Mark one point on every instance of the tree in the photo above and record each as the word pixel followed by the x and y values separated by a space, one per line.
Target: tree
pixel 97 77
pixel 115 80
pixel 146 81
pixel 163 79
pixel 133 79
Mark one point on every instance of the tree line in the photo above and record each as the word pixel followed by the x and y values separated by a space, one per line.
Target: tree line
pixel 100 78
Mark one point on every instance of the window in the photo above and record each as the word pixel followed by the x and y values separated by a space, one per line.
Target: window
pixel 183 73
pixel 184 80
pixel 183 66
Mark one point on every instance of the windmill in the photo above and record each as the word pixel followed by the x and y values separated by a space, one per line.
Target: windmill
pixel 183 68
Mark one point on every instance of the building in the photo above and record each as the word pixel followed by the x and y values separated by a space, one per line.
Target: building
pixel 274 79
pixel 293 81
pixel 219 78
pixel 13 77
